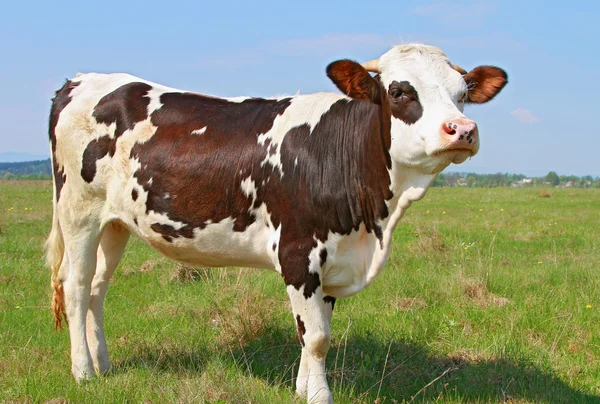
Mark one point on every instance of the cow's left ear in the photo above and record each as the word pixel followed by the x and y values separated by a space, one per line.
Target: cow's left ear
pixel 353 80
pixel 484 83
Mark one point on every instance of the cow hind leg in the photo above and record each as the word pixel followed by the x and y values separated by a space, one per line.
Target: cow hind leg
pixel 81 243
pixel 112 244
pixel 313 317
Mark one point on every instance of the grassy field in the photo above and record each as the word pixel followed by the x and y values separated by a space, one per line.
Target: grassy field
pixel 490 295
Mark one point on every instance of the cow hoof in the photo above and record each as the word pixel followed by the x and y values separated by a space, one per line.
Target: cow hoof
pixel 322 396
pixel 301 393
pixel 103 368
pixel 82 375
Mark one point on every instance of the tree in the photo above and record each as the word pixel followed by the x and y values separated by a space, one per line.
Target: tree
pixel 440 181
pixel 553 178
pixel 471 180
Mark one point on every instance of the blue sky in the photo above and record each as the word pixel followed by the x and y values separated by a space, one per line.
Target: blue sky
pixel 545 119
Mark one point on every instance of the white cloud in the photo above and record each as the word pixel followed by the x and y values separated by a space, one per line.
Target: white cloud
pixel 524 115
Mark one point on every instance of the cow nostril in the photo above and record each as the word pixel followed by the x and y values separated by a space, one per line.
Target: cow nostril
pixel 449 129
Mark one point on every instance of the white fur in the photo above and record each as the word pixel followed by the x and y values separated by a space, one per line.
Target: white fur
pixel 440 88
pixel 199 131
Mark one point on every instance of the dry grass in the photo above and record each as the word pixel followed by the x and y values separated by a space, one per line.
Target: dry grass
pixel 479 294
pixel 429 241
pixel 184 273
pixel 467 356
pixel 241 321
pixel 410 303
pixel 147 266
pixel 58 400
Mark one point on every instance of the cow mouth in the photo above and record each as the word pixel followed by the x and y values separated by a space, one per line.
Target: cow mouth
pixel 444 152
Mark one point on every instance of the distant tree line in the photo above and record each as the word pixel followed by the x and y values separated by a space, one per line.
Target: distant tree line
pixel 26 170
pixel 552 179
pixel 41 170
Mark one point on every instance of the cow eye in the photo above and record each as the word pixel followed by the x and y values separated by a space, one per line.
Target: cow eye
pixel 463 97
pixel 397 94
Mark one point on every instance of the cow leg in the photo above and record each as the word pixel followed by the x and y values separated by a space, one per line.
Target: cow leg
pixel 112 244
pixel 313 318
pixel 81 243
pixel 302 379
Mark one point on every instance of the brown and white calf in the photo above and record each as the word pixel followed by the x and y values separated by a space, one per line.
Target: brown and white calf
pixel 311 186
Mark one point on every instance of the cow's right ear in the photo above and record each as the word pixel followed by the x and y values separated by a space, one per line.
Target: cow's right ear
pixel 354 81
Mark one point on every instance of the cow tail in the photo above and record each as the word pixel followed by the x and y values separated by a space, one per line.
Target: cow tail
pixel 55 249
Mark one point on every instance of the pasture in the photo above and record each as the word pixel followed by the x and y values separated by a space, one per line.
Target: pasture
pixel 490 295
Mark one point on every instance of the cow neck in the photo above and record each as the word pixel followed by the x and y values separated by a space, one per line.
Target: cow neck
pixel 339 166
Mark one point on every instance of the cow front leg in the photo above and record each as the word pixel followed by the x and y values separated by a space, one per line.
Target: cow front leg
pixel 312 315
pixel 302 379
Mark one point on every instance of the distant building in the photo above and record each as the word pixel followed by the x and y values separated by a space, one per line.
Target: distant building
pixel 522 182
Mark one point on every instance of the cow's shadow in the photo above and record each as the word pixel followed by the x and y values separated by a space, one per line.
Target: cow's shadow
pixel 356 364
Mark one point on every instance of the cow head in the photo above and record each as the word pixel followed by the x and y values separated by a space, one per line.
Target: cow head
pixel 424 95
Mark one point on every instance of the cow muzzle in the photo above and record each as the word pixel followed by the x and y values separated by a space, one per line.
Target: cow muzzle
pixel 460 134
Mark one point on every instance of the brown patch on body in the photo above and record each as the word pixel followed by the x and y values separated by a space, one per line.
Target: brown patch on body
pixel 404 102
pixel 185 166
pixel 59 102
pixel 323 256
pixel 125 106
pixel 94 151
pixel 301 329
pixel 329 299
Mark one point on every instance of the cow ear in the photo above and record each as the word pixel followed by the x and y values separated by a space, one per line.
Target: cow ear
pixel 354 81
pixel 484 83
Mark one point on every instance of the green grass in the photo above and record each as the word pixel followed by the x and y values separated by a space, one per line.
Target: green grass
pixel 496 287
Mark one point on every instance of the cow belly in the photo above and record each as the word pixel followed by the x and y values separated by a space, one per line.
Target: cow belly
pixel 216 245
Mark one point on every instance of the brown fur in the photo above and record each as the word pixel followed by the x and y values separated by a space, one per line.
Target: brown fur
pixel 354 81
pixel 58 305
pixel 484 82
pixel 55 248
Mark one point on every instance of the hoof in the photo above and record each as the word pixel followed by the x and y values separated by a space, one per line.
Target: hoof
pixel 322 396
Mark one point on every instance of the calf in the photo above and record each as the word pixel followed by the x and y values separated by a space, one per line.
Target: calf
pixel 310 186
